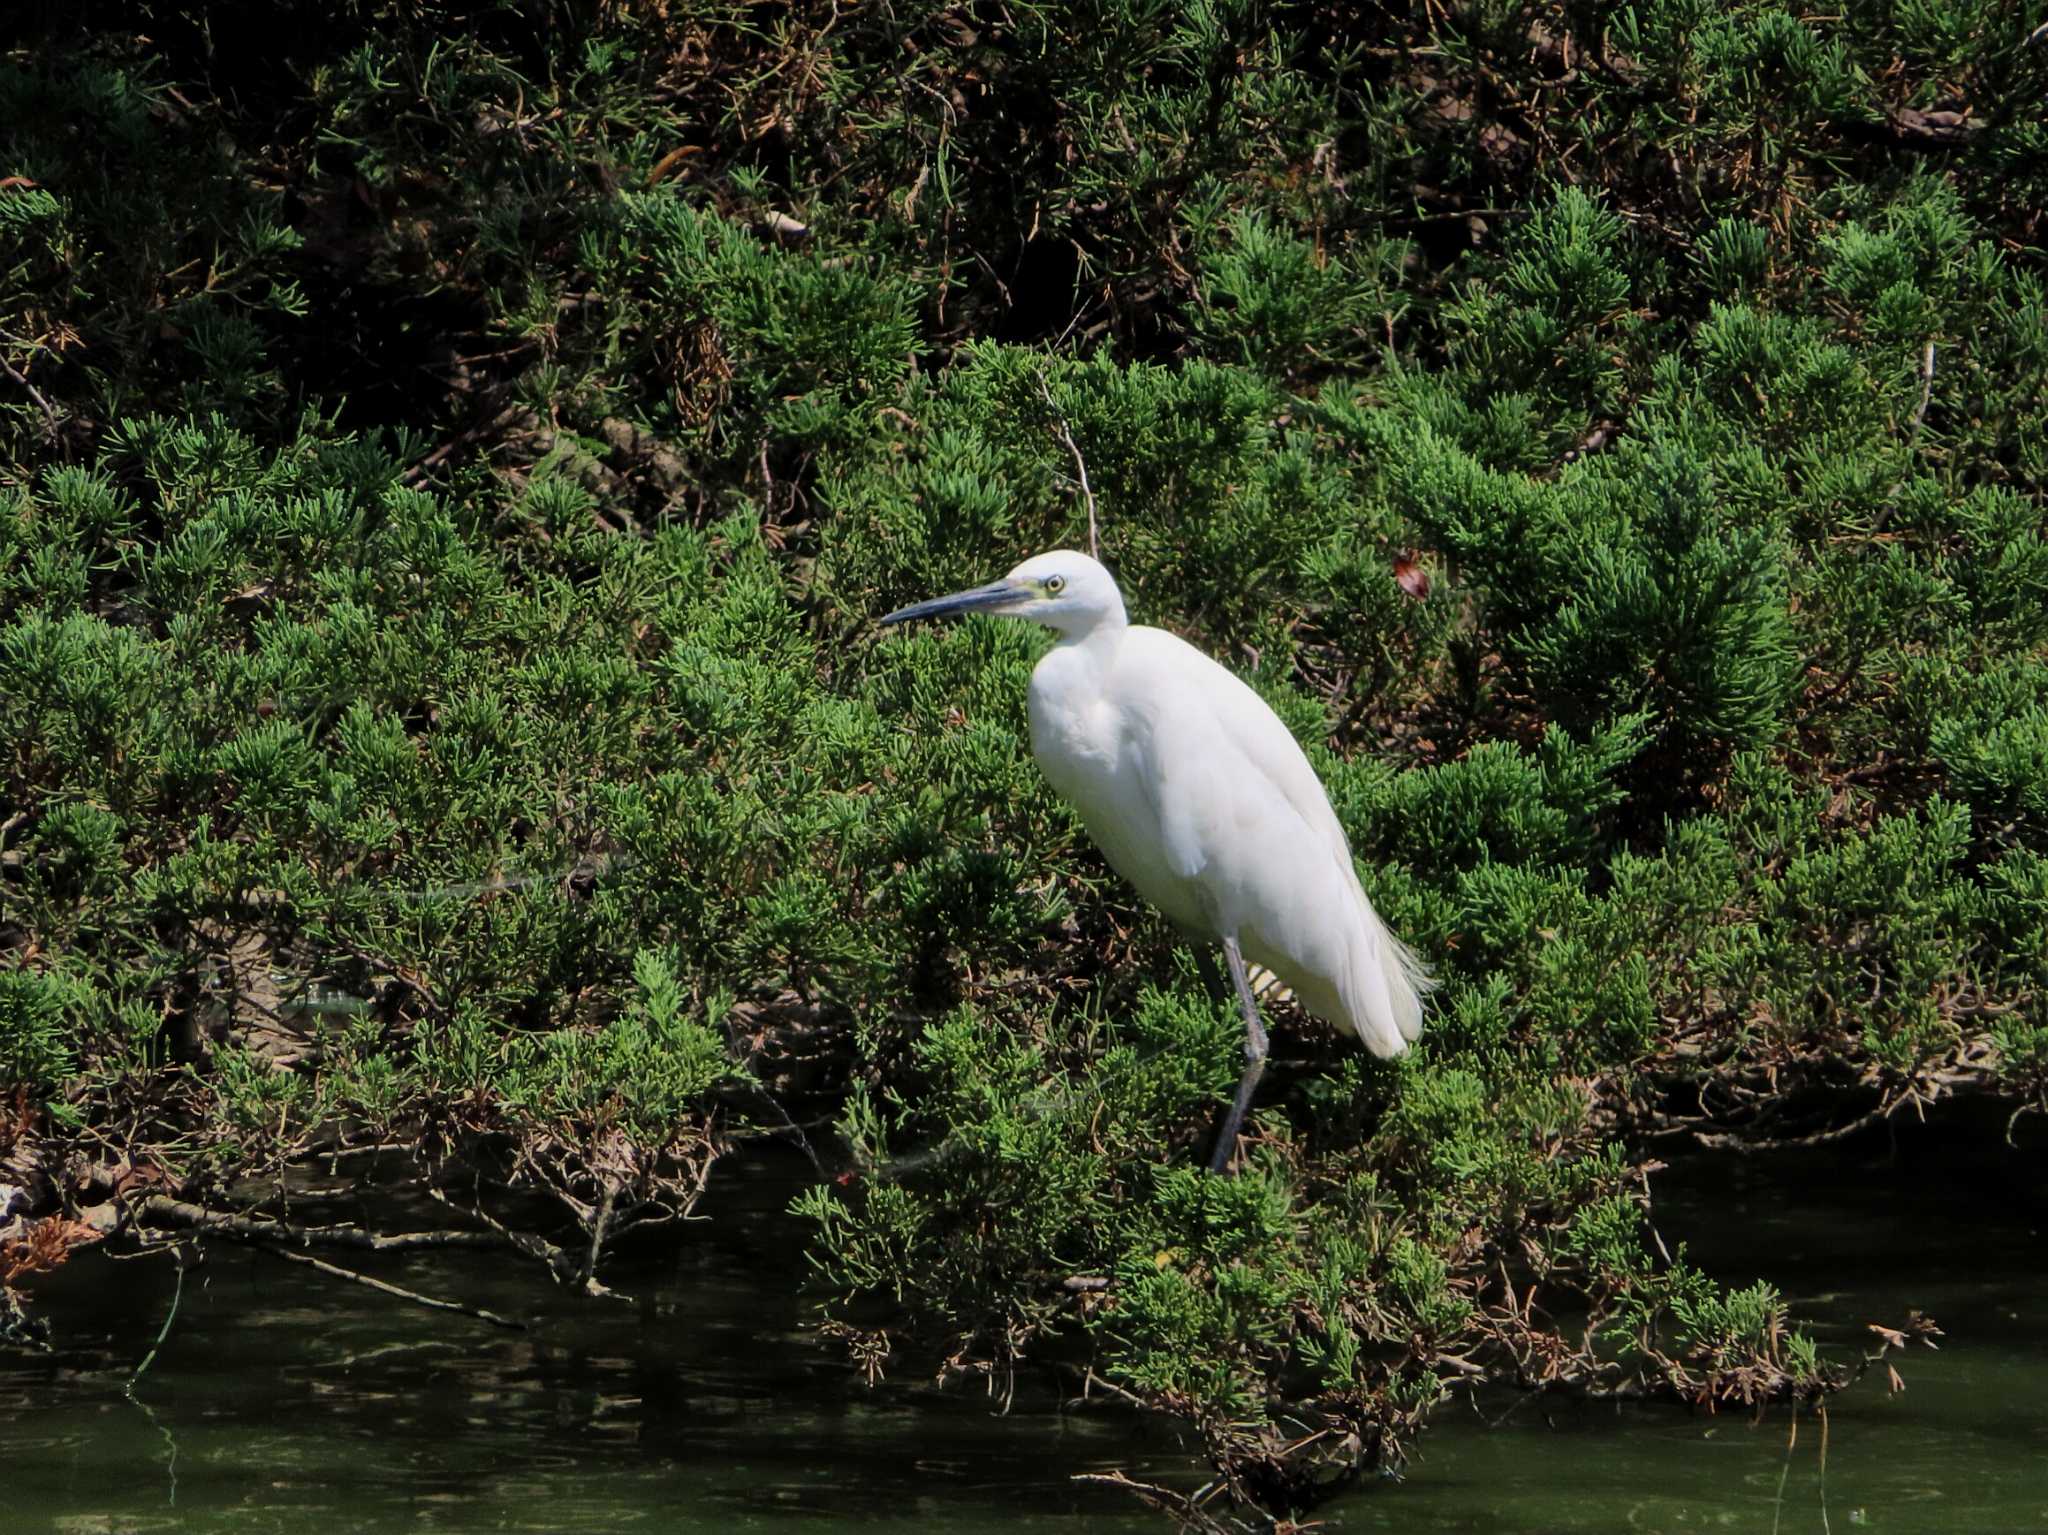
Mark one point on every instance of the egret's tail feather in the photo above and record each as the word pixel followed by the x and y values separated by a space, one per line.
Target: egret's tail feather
pixel 1387 984
pixel 1409 982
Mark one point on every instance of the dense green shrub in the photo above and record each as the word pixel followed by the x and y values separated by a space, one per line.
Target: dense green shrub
pixel 447 484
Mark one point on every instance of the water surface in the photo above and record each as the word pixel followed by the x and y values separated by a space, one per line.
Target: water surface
pixel 287 1400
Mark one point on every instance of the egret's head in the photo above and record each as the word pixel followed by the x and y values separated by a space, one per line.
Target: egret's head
pixel 1062 590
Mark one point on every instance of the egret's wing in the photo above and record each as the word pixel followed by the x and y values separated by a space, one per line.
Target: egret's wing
pixel 1190 778
pixel 1226 781
pixel 1223 783
pixel 1247 725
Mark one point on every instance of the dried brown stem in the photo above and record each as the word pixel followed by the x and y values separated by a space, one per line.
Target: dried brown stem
pixel 388 1288
pixel 50 418
pixel 1066 436
pixel 161 1210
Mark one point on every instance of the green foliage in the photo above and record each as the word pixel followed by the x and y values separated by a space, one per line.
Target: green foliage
pixel 445 486
pixel 645 1070
pixel 34 1038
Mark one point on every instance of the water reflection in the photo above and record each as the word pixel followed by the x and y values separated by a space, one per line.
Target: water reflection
pixel 290 1400
pixel 1950 1226
pixel 286 1400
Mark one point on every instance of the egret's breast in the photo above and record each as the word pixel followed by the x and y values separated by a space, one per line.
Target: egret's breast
pixel 1073 733
pixel 1083 740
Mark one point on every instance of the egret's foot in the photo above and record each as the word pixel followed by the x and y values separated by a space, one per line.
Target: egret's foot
pixel 1220 1160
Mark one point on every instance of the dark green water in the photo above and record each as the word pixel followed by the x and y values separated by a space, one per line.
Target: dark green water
pixel 286 1400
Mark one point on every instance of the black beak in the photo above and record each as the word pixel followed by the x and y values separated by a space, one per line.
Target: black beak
pixel 981 599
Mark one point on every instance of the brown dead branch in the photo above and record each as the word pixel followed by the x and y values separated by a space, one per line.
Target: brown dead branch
pixel 1191 1512
pixel 1066 436
pixel 386 1287
pixel 162 1211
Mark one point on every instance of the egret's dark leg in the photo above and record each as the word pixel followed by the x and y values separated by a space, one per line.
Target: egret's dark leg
pixel 1254 1057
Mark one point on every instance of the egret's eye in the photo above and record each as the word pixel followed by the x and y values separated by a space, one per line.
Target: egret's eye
pixel 1054 585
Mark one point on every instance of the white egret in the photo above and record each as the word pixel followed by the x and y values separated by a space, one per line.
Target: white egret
pixel 1198 795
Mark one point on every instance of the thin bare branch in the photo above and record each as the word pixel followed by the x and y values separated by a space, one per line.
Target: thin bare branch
pixel 51 420
pixel 597 1229
pixel 161 1210
pixel 1080 464
pixel 388 1288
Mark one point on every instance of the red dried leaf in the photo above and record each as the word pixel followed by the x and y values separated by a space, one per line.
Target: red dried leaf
pixel 1411 575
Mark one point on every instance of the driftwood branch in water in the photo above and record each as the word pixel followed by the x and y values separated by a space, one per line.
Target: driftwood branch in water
pixel 161 1210
pixel 1191 1512
pixel 1753 1146
pixel 281 1239
pixel 388 1288
pixel 533 1245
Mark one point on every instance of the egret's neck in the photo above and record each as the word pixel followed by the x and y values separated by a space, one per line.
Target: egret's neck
pixel 1074 670
pixel 1099 641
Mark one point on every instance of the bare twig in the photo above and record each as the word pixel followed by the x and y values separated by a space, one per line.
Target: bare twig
pixel 597 1227
pixel 460 440
pixel 161 1210
pixel 1091 1382
pixel 1747 1146
pixel 1080 464
pixel 50 418
pixel 1784 1471
pixel 2030 1106
pixel 529 1243
pixel 803 1141
pixel 1189 1511
pixel 391 1289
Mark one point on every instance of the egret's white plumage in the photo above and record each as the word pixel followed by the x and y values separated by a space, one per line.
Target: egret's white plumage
pixel 1198 795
